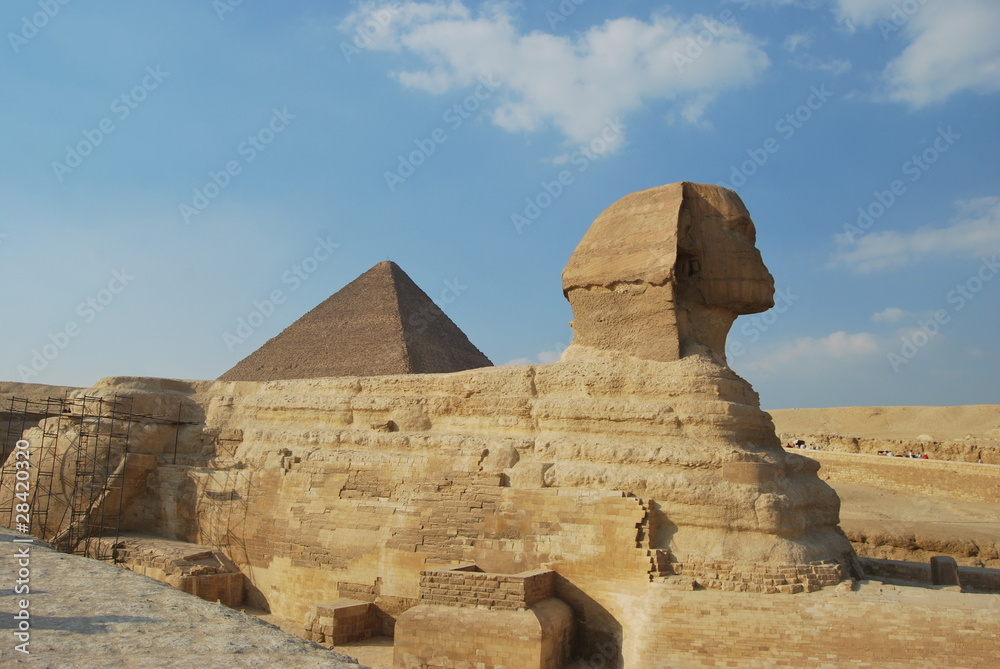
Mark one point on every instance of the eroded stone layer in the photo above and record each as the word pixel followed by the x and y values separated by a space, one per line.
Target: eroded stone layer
pixel 609 471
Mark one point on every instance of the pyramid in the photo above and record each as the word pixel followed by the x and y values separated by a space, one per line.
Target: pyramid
pixel 380 323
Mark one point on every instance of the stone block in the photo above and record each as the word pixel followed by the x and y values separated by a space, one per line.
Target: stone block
pixel 944 571
pixel 342 621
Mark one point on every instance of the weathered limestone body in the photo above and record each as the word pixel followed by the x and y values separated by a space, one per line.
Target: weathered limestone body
pixel 641 455
pixel 638 468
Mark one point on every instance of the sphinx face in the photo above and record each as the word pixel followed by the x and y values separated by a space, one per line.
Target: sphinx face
pixel 718 262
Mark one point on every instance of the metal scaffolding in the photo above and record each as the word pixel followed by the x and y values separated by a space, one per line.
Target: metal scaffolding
pixel 77 459
pixel 224 505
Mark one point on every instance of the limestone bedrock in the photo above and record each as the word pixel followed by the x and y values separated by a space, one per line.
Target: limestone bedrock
pixel 664 272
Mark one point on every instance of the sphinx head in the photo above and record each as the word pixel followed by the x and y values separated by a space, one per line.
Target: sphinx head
pixel 664 272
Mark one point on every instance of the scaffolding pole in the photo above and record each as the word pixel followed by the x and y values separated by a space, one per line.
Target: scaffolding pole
pixel 78 467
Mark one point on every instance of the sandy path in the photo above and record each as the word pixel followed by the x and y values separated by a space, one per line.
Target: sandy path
pixel 900 526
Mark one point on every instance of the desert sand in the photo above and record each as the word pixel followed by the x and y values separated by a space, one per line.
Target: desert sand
pixel 946 433
pixel 884 520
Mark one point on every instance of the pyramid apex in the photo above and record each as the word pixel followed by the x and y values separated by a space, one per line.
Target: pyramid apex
pixel 381 323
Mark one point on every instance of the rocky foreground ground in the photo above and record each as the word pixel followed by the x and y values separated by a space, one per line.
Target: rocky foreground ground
pixel 85 613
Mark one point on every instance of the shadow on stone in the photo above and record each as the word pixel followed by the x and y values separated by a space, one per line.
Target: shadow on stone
pixel 597 639
pixel 74 624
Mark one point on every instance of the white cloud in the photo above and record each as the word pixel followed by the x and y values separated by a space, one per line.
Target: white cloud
pixel 834 66
pixel 809 4
pixel 548 357
pixel 797 41
pixel 809 351
pixel 798 45
pixel 890 315
pixel 520 361
pixel 952 46
pixel 382 22
pixel 863 12
pixel 576 84
pixel 543 358
pixel 974 232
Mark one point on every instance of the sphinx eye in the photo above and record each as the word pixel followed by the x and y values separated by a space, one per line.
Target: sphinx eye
pixel 746 227
pixel 689 266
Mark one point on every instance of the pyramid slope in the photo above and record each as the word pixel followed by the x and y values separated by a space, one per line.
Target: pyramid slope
pixel 434 343
pixel 380 323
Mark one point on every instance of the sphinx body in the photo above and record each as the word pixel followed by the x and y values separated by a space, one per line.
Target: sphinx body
pixel 641 406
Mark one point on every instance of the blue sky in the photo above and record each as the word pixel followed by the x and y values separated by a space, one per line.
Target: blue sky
pixel 180 181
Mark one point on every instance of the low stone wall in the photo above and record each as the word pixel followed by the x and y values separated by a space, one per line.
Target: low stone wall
pixel 431 636
pixel 972 578
pixel 340 622
pixel 914 572
pixel 196 570
pixel 968 482
pixel 956 451
pixel 470 586
pixel 788 579
pixel 470 618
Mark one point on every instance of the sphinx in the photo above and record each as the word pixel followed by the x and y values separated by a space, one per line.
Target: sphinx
pixel 639 459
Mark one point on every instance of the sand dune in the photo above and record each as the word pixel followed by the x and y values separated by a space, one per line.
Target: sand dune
pixel 883 516
pixel 940 423
pixel 961 433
